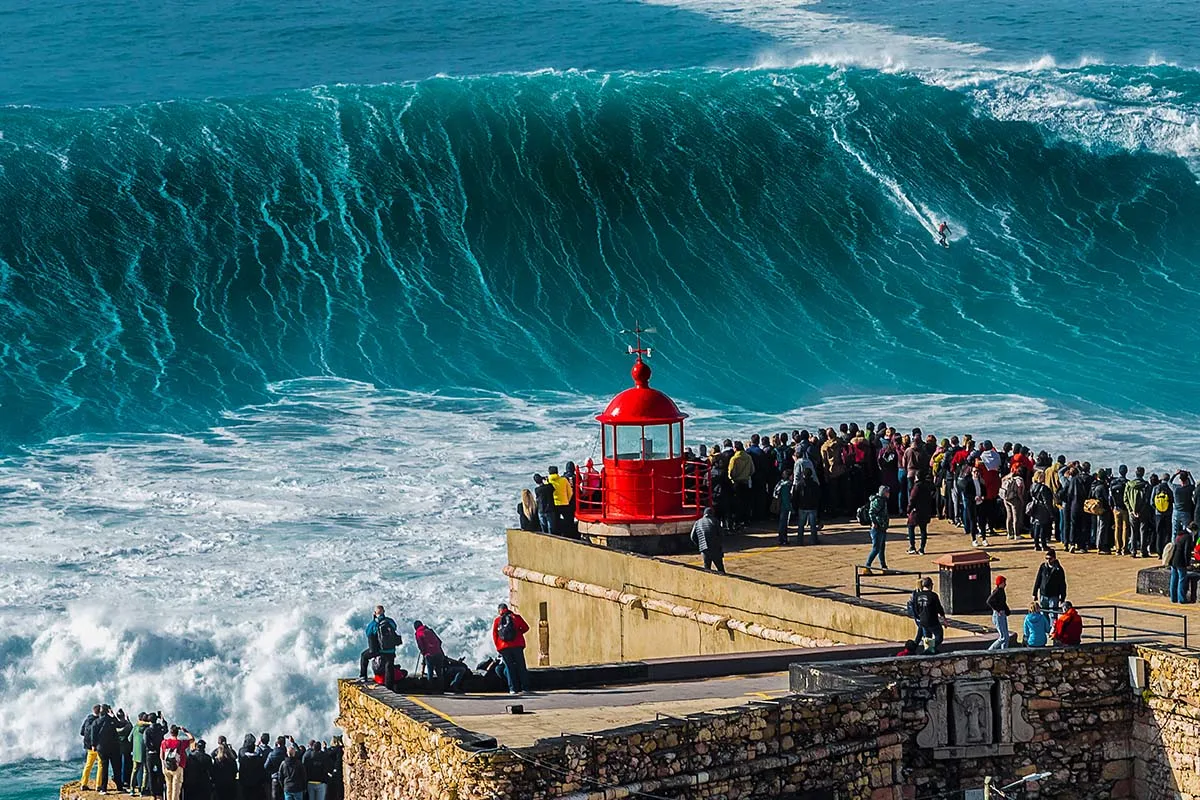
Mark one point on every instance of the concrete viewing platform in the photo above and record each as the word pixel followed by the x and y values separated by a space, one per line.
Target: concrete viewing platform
pixel 590 711
pixel 1105 720
pixel 632 693
pixel 1093 579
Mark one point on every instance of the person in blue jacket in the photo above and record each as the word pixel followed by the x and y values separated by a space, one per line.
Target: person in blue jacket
pixel 1037 626
pixel 383 637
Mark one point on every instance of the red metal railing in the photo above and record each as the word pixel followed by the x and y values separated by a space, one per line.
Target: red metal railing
pixel 692 490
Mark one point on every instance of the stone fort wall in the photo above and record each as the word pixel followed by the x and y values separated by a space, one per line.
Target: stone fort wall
pixel 891 729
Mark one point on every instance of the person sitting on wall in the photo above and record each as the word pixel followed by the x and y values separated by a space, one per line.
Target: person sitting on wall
pixel 1036 627
pixel 1068 628
pixel 378 672
pixel 455 672
pixel 491 670
pixel 383 637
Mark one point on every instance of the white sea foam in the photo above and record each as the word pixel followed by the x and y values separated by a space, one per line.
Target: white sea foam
pixel 1101 110
pixel 224 576
pixel 826 38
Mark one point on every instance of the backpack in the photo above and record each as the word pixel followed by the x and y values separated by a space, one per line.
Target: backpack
pixel 863 515
pixel 506 631
pixel 171 760
pixel 389 639
pixel 1009 490
pixel 1162 501
pixel 1093 506
pixel 1116 494
pixel 1168 553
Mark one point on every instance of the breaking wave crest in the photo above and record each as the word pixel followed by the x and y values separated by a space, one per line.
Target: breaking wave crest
pixel 162 263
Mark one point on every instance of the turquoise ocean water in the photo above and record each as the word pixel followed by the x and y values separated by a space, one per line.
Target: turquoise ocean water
pixel 293 295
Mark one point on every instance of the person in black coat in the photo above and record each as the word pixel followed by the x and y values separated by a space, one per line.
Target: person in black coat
pixel 1079 526
pixel 89 747
pixel 998 602
pixel 316 766
pixel 968 508
pixel 1041 511
pixel 252 775
pixel 125 739
pixel 292 776
pixel 1181 559
pixel 107 740
pixel 806 503
pixel 224 771
pixel 197 775
pixel 1050 584
pixel 272 764
pixel 337 789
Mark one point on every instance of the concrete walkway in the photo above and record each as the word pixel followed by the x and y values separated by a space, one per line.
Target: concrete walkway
pixel 592 710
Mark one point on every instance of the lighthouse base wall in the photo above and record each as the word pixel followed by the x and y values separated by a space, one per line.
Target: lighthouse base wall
pixel 648 539
pixel 593 605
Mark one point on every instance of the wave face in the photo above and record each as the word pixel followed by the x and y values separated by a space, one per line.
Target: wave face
pixel 162 263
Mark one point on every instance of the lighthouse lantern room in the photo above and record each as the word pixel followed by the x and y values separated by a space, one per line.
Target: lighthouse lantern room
pixel 645 477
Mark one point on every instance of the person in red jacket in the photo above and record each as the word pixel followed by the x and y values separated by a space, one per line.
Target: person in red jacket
pixel 989 510
pixel 508 634
pixel 1068 628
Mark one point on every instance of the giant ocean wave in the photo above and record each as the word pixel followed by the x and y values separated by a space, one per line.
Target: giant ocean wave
pixel 162 263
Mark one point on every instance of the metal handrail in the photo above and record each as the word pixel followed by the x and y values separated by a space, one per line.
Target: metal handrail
pixel 1103 627
pixel 1117 627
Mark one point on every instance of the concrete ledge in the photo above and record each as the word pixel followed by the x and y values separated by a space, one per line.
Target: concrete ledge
pixel 594 624
pixel 850 675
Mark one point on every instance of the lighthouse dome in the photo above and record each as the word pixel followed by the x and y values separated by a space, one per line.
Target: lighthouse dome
pixel 641 405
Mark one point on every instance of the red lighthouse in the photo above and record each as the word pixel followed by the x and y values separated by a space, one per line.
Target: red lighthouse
pixel 647 490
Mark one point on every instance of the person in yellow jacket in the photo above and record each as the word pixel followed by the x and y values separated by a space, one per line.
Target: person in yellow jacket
pixel 741 471
pixel 562 500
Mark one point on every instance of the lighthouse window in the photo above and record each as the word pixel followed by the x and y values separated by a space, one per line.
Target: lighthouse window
pixel 656 442
pixel 629 442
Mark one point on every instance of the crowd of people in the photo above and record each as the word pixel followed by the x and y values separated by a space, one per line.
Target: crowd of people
pixel 799 480
pixel 148 757
pixel 1051 618
pixel 507 667
pixel 876 474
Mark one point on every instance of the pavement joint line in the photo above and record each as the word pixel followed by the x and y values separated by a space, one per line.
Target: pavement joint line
pixel 431 709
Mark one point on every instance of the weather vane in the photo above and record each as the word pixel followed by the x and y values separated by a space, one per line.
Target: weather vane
pixel 637 331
